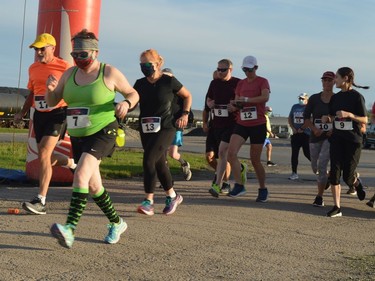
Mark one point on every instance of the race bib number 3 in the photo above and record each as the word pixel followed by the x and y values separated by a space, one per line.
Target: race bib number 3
pixel 221 111
pixel 78 118
pixel 249 113
pixel 150 124
pixel 323 126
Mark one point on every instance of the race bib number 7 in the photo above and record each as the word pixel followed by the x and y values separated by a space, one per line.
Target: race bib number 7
pixel 78 117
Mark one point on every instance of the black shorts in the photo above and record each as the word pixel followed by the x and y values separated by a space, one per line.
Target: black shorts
pixel 211 144
pixel 52 123
pixel 223 134
pixel 257 133
pixel 99 145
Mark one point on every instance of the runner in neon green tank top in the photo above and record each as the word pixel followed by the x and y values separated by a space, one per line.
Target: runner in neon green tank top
pixel 89 90
pixel 90 106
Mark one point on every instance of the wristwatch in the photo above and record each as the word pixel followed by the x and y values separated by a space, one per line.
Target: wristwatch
pixel 185 112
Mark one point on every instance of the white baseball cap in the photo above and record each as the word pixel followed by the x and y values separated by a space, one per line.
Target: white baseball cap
pixel 249 62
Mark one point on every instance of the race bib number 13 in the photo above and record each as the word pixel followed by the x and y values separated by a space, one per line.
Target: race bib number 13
pixel 150 124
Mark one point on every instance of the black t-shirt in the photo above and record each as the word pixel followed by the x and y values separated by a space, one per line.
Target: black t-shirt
pixel 316 108
pixel 158 99
pixel 351 101
pixel 222 92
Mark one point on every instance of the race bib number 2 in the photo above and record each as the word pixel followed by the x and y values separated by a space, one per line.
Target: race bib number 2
pixel 150 124
pixel 78 117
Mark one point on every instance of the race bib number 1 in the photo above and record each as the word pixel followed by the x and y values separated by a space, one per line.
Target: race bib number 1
pixel 151 124
pixel 78 118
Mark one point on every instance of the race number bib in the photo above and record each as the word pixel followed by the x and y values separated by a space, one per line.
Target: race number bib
pixel 298 118
pixel 221 110
pixel 78 117
pixel 41 104
pixel 248 113
pixel 151 124
pixel 344 124
pixel 322 126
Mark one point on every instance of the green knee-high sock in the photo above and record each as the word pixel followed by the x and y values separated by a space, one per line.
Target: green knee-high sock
pixel 77 205
pixel 104 202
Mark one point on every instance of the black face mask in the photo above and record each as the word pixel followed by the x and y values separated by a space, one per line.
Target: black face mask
pixel 147 69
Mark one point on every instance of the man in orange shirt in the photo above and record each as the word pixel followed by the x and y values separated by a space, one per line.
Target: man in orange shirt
pixel 49 122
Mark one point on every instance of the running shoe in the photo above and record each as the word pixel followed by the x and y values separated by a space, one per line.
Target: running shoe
pixel 271 164
pixel 318 202
pixel 115 231
pixel 171 204
pixel 361 194
pixel 146 208
pixel 35 206
pixel 214 190
pixel 371 202
pixel 335 212
pixel 225 188
pixel 64 234
pixel 262 195
pixel 186 171
pixel 351 191
pixel 243 173
pixel 293 176
pixel 237 190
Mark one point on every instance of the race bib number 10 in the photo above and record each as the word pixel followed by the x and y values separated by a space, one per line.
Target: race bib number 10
pixel 323 126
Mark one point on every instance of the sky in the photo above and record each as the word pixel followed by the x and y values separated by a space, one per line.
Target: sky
pixel 293 41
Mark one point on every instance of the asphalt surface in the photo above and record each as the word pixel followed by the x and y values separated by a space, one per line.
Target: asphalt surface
pixel 206 239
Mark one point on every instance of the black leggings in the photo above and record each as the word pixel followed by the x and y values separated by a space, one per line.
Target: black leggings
pixel 297 141
pixel 344 157
pixel 155 164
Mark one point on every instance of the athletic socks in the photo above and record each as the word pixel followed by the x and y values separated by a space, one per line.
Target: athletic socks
pixel 104 202
pixel 42 199
pixel 77 205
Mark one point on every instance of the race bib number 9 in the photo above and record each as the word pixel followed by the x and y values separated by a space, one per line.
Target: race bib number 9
pixel 78 117
pixel 323 126
pixel 248 113
pixel 151 124
pixel 221 110
pixel 344 124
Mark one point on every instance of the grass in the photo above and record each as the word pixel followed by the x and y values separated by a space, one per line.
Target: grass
pixel 124 163
pixel 14 131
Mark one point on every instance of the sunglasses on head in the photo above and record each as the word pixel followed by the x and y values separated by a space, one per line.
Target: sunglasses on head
pixel 301 98
pixel 80 55
pixel 247 69
pixel 222 69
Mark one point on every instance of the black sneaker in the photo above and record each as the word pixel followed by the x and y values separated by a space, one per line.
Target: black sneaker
pixel 318 202
pixel 335 212
pixel 271 164
pixel 361 194
pixel 351 191
pixel 35 206
pixel 371 202
pixel 225 188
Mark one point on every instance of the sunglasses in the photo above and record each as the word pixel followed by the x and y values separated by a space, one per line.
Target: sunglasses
pixel 222 69
pixel 41 49
pixel 80 55
pixel 247 69
pixel 301 98
pixel 146 64
pixel 327 79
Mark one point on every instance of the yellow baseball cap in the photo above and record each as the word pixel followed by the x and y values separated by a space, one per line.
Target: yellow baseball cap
pixel 43 40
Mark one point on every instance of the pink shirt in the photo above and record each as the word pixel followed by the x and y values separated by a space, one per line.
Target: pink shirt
pixel 253 114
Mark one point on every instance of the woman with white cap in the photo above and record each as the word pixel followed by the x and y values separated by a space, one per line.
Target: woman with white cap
pixel 300 136
pixel 251 95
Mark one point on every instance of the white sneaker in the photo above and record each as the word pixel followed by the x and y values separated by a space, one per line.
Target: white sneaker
pixel 293 177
